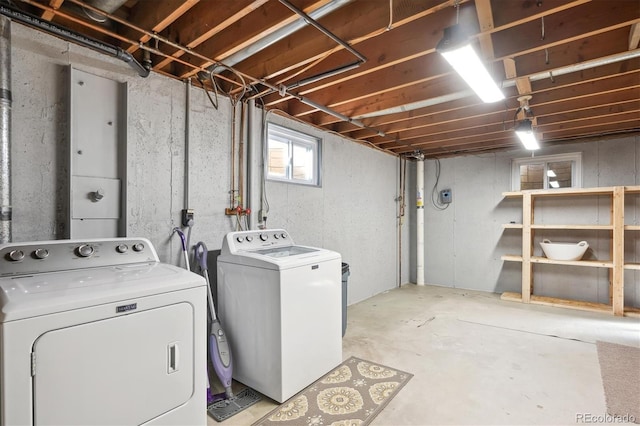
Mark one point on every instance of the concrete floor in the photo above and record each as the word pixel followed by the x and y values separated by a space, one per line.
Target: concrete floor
pixel 477 359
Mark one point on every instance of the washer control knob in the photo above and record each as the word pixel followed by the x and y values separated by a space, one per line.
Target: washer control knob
pixel 15 255
pixel 249 238
pixel 41 253
pixel 240 239
pixel 85 250
pixel 264 237
pixel 122 248
pixel 138 247
pixel 276 236
pixel 284 236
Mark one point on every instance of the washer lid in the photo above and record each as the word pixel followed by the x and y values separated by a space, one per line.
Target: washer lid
pixel 280 258
pixel 41 294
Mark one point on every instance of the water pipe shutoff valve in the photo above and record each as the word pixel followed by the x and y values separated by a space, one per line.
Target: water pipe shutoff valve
pixel 237 211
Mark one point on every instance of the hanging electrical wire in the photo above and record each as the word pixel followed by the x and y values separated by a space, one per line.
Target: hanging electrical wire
pixel 233 97
pixel 434 192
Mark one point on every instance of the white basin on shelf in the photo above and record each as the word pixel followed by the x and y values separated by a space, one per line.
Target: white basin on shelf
pixel 564 251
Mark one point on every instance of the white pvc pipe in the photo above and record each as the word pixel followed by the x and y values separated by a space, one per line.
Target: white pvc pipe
pixel 420 222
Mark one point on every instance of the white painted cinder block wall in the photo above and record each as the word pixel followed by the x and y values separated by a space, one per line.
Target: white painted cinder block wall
pixel 354 212
pixel 464 243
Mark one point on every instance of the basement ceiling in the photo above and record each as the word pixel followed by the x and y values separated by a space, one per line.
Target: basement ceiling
pixel 368 69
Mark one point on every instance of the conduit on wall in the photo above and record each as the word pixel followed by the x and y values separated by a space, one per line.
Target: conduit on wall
pixel 5 130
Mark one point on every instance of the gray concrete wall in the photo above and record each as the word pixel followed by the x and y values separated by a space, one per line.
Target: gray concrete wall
pixel 354 212
pixel 465 242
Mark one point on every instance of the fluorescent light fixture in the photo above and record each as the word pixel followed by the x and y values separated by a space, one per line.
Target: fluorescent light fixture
pixel 524 131
pixel 457 50
pixel 551 173
pixel 554 184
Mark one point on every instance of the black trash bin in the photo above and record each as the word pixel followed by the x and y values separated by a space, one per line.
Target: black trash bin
pixel 345 279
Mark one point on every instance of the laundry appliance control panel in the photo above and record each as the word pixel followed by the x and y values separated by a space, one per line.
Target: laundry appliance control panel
pixel 64 255
pixel 251 240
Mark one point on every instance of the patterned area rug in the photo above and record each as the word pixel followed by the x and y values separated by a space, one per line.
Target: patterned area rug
pixel 353 394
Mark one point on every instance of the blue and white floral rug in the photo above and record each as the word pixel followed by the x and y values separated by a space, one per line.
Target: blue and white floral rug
pixel 352 394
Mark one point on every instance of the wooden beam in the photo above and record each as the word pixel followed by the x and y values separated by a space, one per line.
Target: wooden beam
pixel 634 36
pixel 191 30
pixel 403 75
pixel 48 15
pixel 578 23
pixel 272 16
pixel 509 13
pixel 356 22
pixel 485 20
pixel 597 130
pixel 155 16
pixel 524 85
pixel 404 43
pixel 443 130
pixel 510 71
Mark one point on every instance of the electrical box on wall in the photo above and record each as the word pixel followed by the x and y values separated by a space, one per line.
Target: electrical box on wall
pixel 445 196
pixel 97 169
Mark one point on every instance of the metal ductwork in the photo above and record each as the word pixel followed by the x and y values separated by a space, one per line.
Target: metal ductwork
pixel 108 6
pixel 5 130
pixel 72 36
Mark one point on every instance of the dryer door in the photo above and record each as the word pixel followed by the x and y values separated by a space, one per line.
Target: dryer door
pixel 123 370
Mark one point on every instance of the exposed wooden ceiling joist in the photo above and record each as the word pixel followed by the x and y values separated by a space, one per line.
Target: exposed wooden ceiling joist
pixel 404 91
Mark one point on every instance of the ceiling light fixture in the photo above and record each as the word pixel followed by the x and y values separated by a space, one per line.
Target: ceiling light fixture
pixel 457 50
pixel 524 127
pixel 524 131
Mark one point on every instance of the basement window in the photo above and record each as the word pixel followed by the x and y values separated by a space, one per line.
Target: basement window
pixel 292 156
pixel 547 172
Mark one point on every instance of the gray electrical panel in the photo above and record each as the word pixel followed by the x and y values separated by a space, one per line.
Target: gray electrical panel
pixel 97 169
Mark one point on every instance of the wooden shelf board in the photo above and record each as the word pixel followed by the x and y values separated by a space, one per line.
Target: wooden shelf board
pixel 635 188
pixel 588 227
pixel 635 266
pixel 566 303
pixel 591 263
pixel 512 194
pixel 512 258
pixel 511 296
pixel 562 303
pixel 563 192
pixel 512 225
pixel 632 227
pixel 631 312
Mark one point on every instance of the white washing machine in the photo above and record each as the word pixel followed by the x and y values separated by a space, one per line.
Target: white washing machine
pixel 99 332
pixel 281 307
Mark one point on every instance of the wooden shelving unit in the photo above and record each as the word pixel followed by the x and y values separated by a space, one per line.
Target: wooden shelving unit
pixel 616 265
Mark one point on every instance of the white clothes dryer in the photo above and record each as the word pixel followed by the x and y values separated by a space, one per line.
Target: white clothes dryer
pixel 281 307
pixel 100 332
